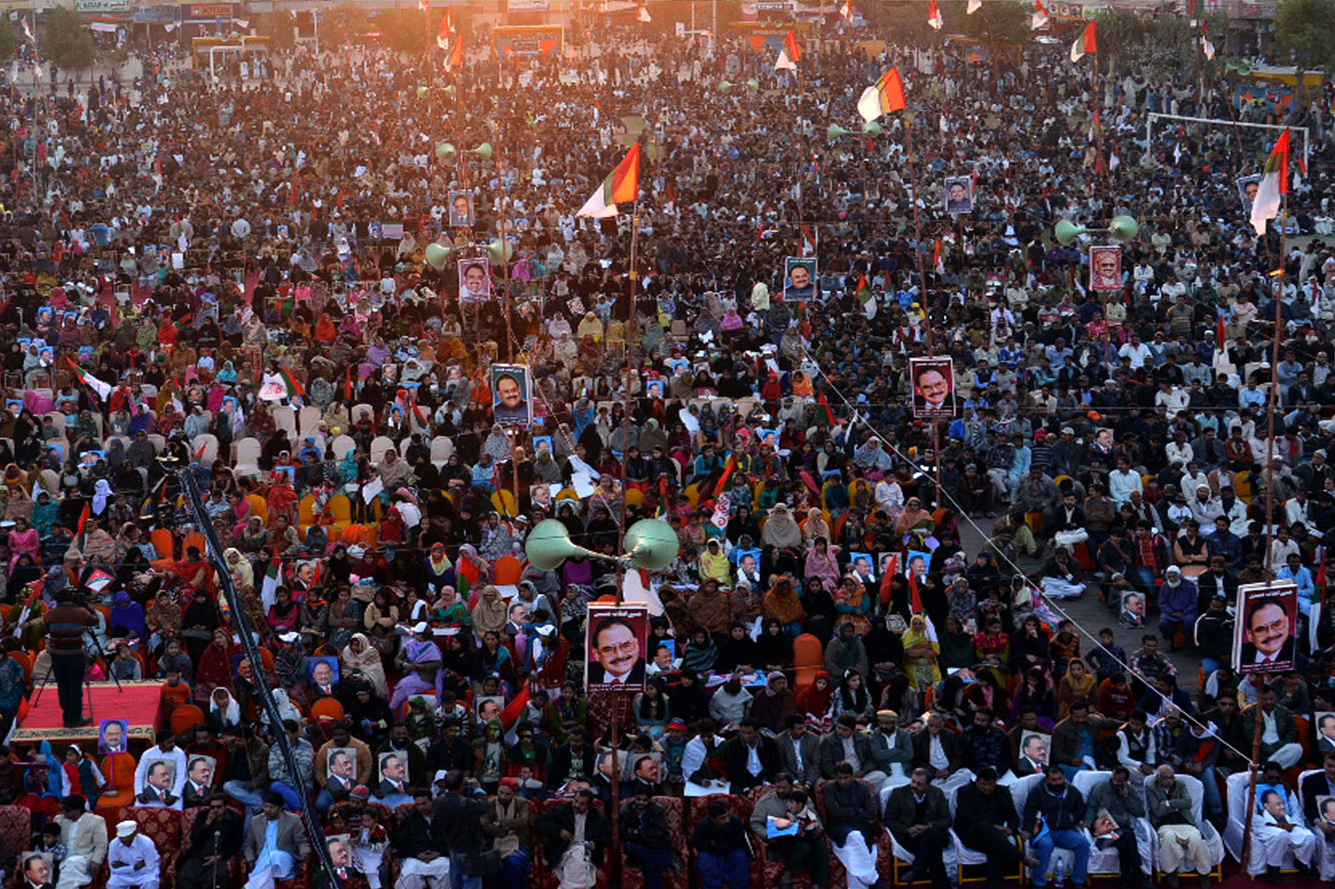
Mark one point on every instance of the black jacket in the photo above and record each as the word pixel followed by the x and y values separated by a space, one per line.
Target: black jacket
pixel 645 824
pixel 974 809
pixel 737 754
pixel 849 809
pixel 416 836
pixel 597 830
pixel 715 840
pixel 227 832
pixel 1063 812
pixel 562 759
pixel 459 819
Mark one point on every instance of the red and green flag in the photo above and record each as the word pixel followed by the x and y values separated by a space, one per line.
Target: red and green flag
pixel 620 187
pixel 100 388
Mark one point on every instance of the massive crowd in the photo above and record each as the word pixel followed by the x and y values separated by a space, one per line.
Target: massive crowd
pixel 825 658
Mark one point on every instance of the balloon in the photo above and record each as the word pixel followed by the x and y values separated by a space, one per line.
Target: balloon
pixel 500 251
pixel 437 255
pixel 445 150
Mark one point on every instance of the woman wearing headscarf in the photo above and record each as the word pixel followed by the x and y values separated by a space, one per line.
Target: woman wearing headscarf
pixel 781 531
pixel 127 617
pixel 1079 683
pixel 815 525
pixel 45 514
pixel 285 707
pixel 224 713
pixel 920 655
pixel 701 652
pixel 102 497
pixel 783 603
pixel 914 519
pixel 815 702
pixel 215 664
pixel 714 564
pixel 360 658
pixel 490 613
pixel 822 563
pixel 23 540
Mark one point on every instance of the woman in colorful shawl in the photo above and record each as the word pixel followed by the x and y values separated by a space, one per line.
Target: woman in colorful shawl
pixel 1078 683
pixel 420 661
pixel 782 602
pixel 360 658
pixel 821 562
pixel 448 611
pixel 920 655
pixel 23 540
pixel 437 566
pixel 282 498
pixel 215 665
pixel 852 604
pixel 127 616
pixel 490 613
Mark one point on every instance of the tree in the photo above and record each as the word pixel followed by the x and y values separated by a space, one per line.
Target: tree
pixel 407 30
pixel 279 27
pixel 8 39
pixel 999 27
pixel 1303 29
pixel 65 40
pixel 1121 38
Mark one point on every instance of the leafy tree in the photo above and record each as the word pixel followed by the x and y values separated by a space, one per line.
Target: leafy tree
pixel 1001 27
pixel 1304 29
pixel 279 27
pixel 1122 39
pixel 8 39
pixel 65 40
pixel 407 30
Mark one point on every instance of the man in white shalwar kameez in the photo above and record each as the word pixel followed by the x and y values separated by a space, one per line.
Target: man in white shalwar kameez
pixel 133 859
pixel 1276 832
pixel 850 808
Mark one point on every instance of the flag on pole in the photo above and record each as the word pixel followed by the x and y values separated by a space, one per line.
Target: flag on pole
pixel 443 38
pixel 1274 184
pixel 1206 46
pixel 939 259
pixel 727 474
pixel 789 55
pixel 1086 43
pixel 974 6
pixel 424 5
pixel 643 13
pixel 347 386
pixel 618 188
pixel 846 10
pixel 101 389
pixel 294 387
pixel 884 96
pixel 456 57
pixel 272 579
pixel 1221 334
pixel 934 16
pixel 864 291
pixel 1039 18
pixel 810 241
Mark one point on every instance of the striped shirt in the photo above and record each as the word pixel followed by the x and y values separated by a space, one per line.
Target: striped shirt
pixel 66 624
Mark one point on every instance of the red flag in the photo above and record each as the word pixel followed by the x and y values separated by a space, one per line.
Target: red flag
pixel 1220 335
pixel 825 402
pixel 727 474
pixel 917 597
pixel 83 520
pixel 456 59
pixel 794 49
pixel 347 386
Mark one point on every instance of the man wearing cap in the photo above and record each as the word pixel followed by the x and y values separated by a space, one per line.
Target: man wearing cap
pixel 133 859
pixel 84 836
pixel 1177 604
pixel 772 706
pixel 891 746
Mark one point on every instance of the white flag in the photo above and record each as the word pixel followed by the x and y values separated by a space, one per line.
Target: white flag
pixel 974 6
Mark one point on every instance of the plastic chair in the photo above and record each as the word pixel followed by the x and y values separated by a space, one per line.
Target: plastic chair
pixel 118 769
pixel 186 717
pixel 306 510
pixel 507 571
pixel 327 709
pixel 258 507
pixel 164 543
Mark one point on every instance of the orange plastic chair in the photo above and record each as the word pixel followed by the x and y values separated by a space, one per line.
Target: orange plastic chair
pixel 162 541
pixel 118 769
pixel 196 540
pixel 507 571
pixel 327 708
pixel 306 510
pixel 24 660
pixel 808 659
pixel 186 717
pixel 258 506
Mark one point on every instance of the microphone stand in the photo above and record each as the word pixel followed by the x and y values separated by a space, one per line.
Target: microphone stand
pixel 216 862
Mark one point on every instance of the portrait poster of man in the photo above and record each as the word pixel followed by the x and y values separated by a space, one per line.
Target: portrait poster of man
pixel 1034 747
pixel 488 707
pixel 112 736
pixel 323 673
pixel 339 847
pixel 959 194
pixel 461 209
pixel 36 869
pixel 1325 809
pixel 474 280
pixel 199 772
pixel 799 277
pixel 933 381
pixel 1325 731
pixel 1105 267
pixel 510 388
pixel 341 767
pixel 616 640
pixel 393 774
pixel 1247 186
pixel 159 782
pixel 1265 636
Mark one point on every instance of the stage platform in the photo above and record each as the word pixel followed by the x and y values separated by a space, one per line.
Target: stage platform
pixel 137 703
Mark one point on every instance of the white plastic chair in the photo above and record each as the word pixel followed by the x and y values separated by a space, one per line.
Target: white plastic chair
pixel 1208 832
pixel 159 443
pixel 1106 861
pixel 286 419
pixel 964 856
pixel 341 445
pixel 1062 861
pixel 308 420
pixel 1237 822
pixel 360 410
pixel 379 445
pixel 248 456
pixel 209 443
pixel 441 449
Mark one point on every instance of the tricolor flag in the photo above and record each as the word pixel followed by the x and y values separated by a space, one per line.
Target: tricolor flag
pixel 974 6
pixel 1274 184
pixel 939 259
pixel 886 95
pixel 867 298
pixel 810 241
pixel 424 5
pixel 789 55
pixel 1206 46
pixel 456 57
pixel 618 188
pixel 934 17
pixel 1039 18
pixel 846 10
pixel 643 13
pixel 101 389
pixel 294 387
pixel 272 579
pixel 1086 43
pixel 727 474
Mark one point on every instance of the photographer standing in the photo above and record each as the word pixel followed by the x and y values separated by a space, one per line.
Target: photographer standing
pixel 65 625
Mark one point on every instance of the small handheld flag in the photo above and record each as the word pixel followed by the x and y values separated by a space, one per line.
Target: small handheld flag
pixel 934 16
pixel 1039 18
pixel 974 6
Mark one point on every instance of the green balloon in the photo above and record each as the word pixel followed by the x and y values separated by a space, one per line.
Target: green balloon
pixel 725 85
pixel 437 255
pixel 500 251
pixel 445 150
pixel 423 92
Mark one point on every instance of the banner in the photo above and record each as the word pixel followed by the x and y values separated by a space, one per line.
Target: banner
pixel 933 381
pixel 616 638
pixel 510 388
pixel 102 5
pixel 1266 629
pixel 535 40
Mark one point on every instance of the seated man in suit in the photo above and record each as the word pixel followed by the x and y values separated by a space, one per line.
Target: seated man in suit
pixel 799 750
pixel 919 817
pixel 275 854
pixel 938 750
pixel 987 812
pixel 36 872
pixel 753 759
pixel 850 810
pixel 564 825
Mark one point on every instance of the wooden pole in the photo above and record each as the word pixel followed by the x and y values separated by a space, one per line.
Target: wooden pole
pixel 922 286
pixel 1276 294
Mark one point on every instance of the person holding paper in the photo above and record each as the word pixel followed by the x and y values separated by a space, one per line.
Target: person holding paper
pixel 788 825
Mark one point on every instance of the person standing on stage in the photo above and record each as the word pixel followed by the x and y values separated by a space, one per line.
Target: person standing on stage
pixel 66 624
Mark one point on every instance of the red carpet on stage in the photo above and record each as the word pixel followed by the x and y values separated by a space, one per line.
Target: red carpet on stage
pixel 138 704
